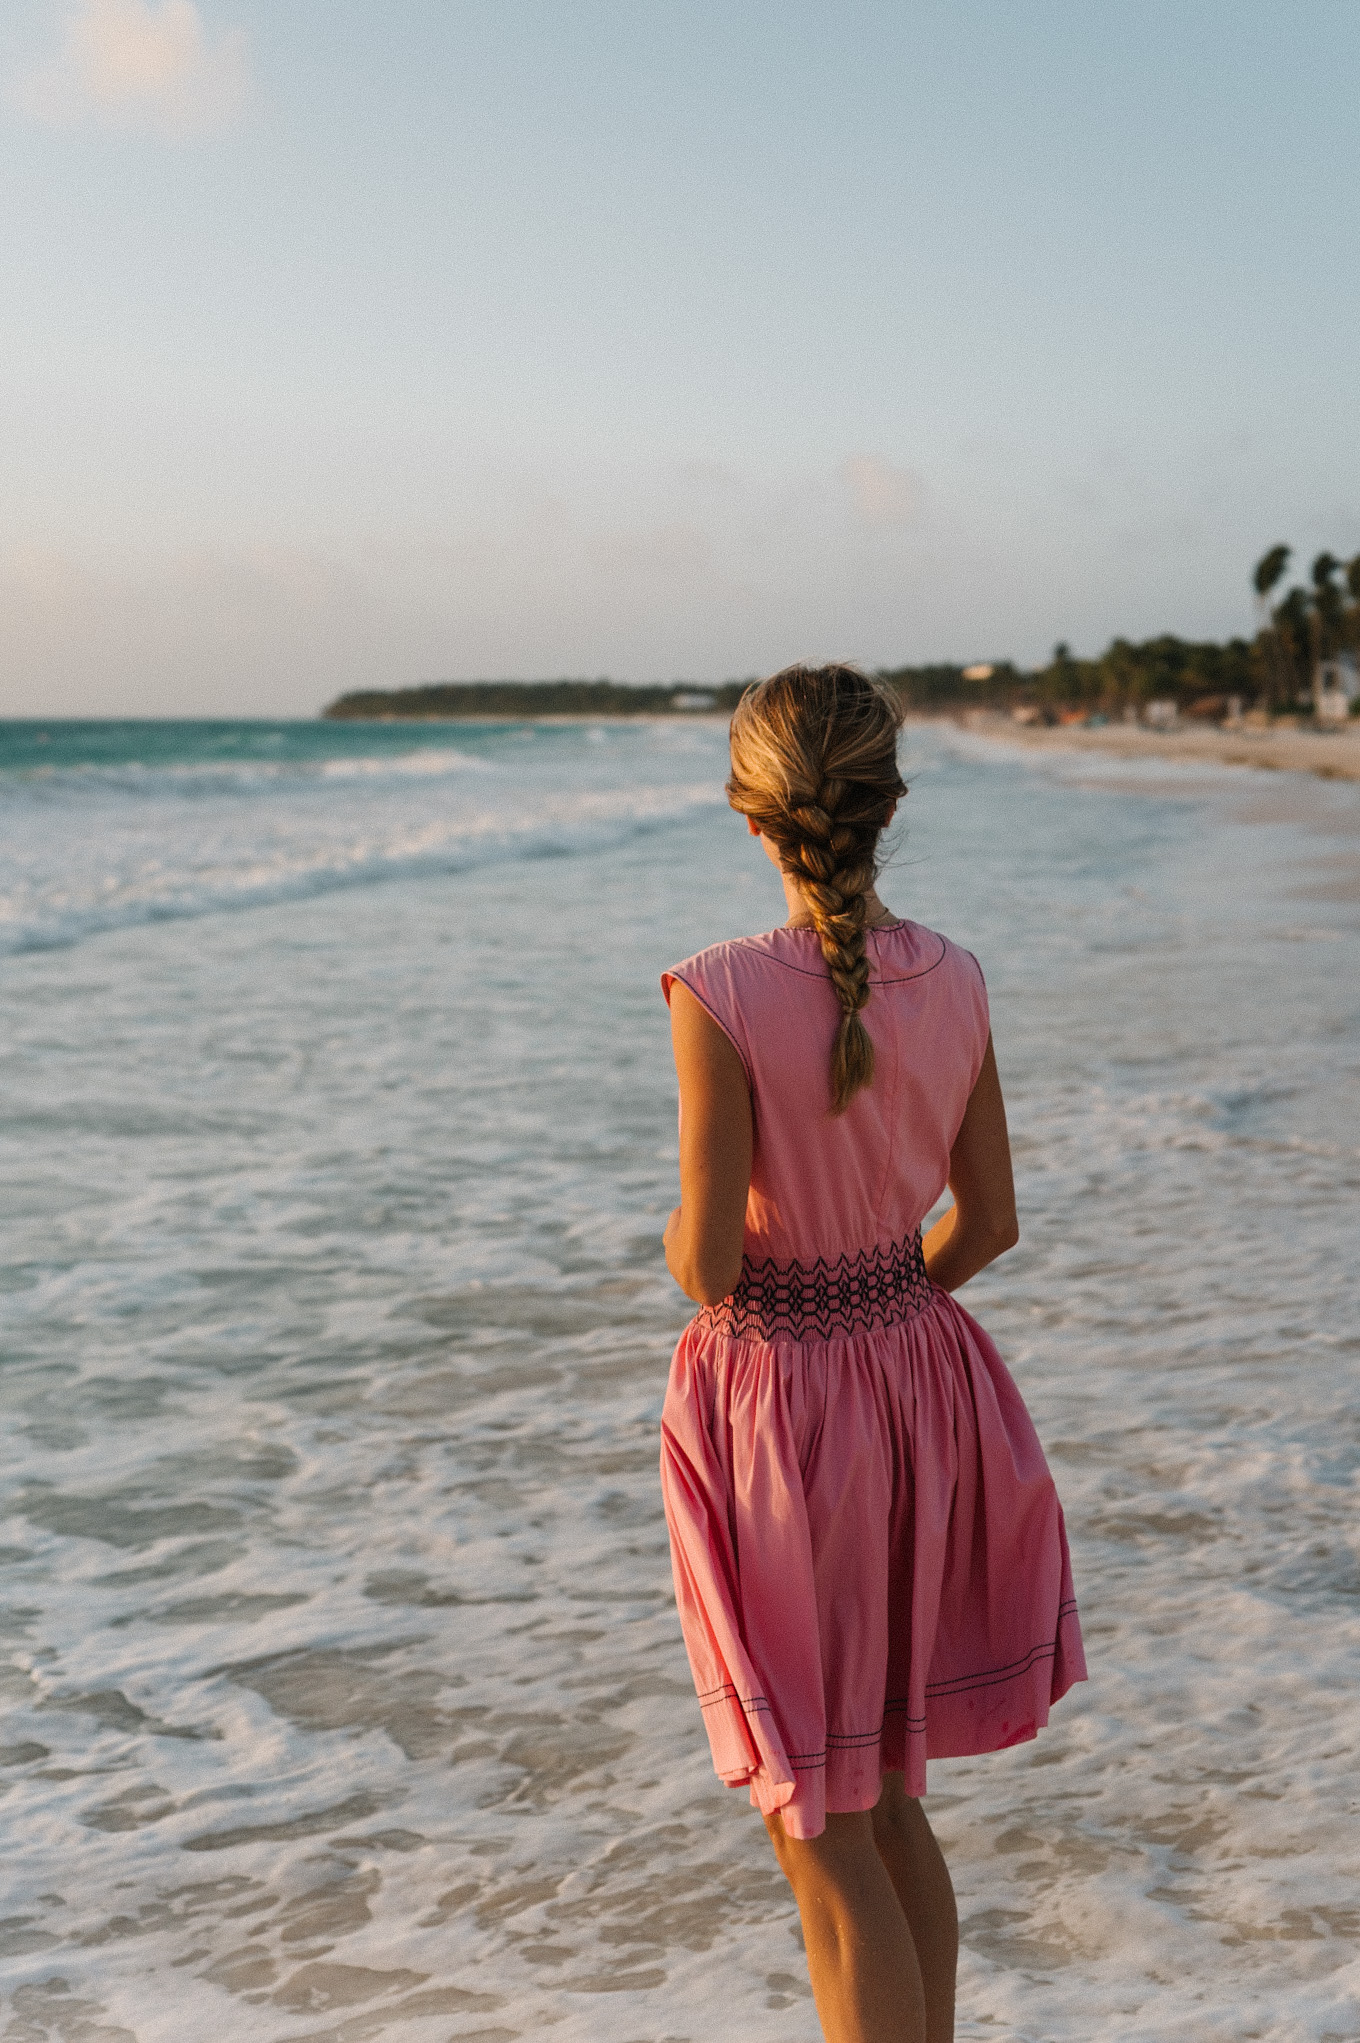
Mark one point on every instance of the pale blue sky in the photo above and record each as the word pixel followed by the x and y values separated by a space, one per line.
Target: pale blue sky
pixel 355 345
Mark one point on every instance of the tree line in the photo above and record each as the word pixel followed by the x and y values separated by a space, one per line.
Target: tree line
pixel 1128 674
pixel 1277 670
pixel 1298 633
pixel 534 699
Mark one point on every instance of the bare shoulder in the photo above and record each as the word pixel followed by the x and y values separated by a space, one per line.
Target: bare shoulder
pixel 700 1040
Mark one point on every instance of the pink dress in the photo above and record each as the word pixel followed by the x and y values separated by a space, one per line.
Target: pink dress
pixel 869 1555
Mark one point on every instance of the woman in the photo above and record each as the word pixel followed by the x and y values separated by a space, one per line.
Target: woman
pixel 869 1554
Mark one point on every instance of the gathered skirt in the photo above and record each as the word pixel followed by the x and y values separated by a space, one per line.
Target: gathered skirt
pixel 870 1562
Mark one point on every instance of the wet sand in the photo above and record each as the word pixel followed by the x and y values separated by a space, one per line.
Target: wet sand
pixel 1331 755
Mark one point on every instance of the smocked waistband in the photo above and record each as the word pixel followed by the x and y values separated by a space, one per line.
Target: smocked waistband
pixel 822 1300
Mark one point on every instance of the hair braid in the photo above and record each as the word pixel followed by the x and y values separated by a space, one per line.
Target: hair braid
pixel 814 763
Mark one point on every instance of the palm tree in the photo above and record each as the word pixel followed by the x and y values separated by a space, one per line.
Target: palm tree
pixel 1269 568
pixel 1353 613
pixel 1292 633
pixel 1328 613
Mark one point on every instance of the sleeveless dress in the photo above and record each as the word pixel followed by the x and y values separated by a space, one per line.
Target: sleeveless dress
pixel 869 1555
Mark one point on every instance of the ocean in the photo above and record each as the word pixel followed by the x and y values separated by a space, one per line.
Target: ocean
pixel 344 1693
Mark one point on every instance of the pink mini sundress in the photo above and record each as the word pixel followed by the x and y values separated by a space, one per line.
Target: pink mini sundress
pixel 870 1561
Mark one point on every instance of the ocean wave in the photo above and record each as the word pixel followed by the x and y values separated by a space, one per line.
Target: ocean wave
pixel 428 763
pixel 153 887
pixel 196 780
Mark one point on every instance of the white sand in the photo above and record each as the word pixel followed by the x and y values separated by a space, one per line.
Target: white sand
pixel 1333 755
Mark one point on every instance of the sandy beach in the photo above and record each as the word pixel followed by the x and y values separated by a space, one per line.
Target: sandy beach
pixel 1331 755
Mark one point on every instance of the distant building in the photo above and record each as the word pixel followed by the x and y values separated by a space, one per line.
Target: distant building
pixel 691 698
pixel 981 672
pixel 1334 689
pixel 1161 713
pixel 1340 675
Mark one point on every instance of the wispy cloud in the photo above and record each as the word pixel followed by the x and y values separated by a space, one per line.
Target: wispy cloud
pixel 881 494
pixel 132 64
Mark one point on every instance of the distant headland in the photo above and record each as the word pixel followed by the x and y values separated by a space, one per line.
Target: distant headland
pixel 442 699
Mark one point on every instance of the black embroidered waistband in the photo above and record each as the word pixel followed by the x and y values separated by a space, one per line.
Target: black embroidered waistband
pixel 878 1287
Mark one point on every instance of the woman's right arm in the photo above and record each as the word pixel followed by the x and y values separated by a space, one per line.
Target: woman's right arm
pixel 981 1224
pixel 704 1234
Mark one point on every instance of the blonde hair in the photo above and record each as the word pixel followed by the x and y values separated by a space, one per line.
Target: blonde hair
pixel 814 765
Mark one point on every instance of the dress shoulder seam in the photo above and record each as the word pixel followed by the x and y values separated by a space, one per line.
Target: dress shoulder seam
pixel 897 979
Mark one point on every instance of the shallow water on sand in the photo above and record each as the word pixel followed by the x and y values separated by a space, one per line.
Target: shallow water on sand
pixel 344 1692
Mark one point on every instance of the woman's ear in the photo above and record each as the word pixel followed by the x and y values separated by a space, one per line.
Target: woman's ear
pixel 752 826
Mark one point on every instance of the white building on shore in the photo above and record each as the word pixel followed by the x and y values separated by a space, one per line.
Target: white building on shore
pixel 1335 687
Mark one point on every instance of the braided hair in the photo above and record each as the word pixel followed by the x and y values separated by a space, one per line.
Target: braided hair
pixel 814 764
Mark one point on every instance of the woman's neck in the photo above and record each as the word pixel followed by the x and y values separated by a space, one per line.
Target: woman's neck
pixel 800 916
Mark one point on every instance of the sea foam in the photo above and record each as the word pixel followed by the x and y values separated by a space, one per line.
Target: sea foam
pixel 345 1694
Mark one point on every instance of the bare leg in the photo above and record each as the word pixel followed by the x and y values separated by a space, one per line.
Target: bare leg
pixel 861 1957
pixel 920 1877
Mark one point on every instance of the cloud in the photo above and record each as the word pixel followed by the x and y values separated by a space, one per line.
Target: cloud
pixel 133 64
pixel 881 494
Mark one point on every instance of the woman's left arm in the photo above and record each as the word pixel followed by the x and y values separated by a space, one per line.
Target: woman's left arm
pixel 704 1234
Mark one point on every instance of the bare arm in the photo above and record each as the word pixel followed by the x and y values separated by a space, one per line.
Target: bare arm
pixel 704 1234
pixel 981 1224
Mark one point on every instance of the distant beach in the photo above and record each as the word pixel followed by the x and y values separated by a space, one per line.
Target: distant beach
pixel 1330 755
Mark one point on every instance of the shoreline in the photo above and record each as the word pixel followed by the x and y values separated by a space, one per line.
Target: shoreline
pixel 1326 754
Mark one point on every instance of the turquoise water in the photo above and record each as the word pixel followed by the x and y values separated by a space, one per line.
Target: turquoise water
pixel 344 1692
pixel 105 826
pixel 31 746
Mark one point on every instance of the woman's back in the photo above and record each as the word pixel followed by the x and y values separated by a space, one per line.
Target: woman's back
pixel 830 1186
pixel 870 1562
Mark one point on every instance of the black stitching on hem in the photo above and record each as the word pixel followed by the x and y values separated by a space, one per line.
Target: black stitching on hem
pixel 915 1725
pixel 937 1691
pixel 900 1706
pixel 713 1696
pixel 989 1677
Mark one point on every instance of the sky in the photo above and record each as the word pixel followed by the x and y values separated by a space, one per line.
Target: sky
pixel 355 345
